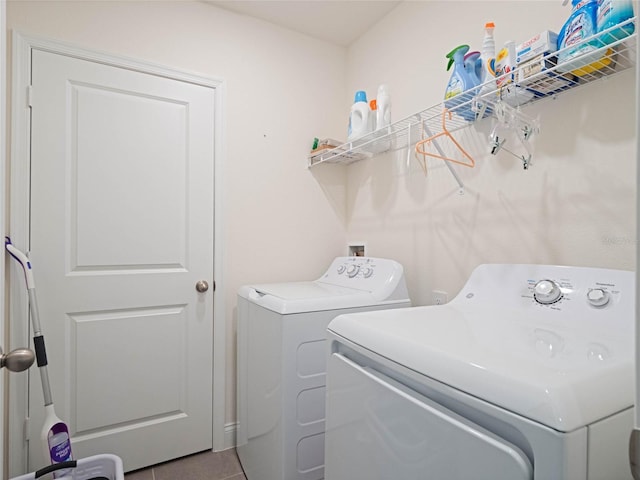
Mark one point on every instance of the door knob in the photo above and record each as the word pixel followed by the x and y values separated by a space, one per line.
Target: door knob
pixel 17 360
pixel 202 286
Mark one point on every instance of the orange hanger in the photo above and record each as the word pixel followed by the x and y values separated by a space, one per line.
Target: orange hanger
pixel 445 132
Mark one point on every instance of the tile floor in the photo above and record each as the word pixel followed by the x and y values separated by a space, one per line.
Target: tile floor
pixel 200 466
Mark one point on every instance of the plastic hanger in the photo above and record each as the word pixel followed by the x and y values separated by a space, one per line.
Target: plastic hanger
pixel 511 118
pixel 445 133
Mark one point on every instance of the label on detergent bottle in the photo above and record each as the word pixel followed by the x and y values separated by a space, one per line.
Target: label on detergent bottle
pixel 580 27
pixel 455 87
pixel 611 13
pixel 504 64
pixel 604 9
pixel 59 447
pixel 581 24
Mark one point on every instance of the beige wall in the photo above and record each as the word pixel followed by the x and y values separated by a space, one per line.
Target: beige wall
pixel 283 222
pixel 574 206
pixel 282 90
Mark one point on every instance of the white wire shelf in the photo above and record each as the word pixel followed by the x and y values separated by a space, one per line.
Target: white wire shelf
pixel 607 53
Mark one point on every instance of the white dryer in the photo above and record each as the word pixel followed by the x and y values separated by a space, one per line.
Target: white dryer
pixel 282 361
pixel 527 374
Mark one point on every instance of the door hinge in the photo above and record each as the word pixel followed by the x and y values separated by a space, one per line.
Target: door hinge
pixel 25 429
pixel 214 285
pixel 30 96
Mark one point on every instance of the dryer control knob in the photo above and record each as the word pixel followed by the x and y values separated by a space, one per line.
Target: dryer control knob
pixel 598 297
pixel 367 272
pixel 546 292
pixel 352 271
pixel 341 269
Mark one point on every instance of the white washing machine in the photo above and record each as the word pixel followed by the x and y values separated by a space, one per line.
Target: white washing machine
pixel 527 374
pixel 282 356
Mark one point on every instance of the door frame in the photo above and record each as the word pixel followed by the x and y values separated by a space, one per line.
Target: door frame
pixel 4 411
pixel 23 45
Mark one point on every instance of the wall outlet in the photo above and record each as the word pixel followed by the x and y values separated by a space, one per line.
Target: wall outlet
pixel 439 297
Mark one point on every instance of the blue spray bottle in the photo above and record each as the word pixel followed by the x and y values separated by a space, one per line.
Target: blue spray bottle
pixel 459 83
pixel 611 13
pixel 571 39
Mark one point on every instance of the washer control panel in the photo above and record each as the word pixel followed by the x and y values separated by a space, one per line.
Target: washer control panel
pixel 366 273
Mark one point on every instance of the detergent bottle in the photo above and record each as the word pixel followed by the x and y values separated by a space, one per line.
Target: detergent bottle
pixel 611 13
pixel 473 67
pixel 383 117
pixel 488 58
pixel 572 37
pixel 459 83
pixel 359 117
pixel 373 112
pixel 505 65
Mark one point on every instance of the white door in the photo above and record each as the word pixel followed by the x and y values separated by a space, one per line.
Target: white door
pixel 121 230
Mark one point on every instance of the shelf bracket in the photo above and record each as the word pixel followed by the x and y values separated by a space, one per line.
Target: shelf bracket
pixel 409 145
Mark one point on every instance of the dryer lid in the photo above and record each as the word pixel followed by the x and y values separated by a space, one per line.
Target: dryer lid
pixel 564 365
pixel 560 380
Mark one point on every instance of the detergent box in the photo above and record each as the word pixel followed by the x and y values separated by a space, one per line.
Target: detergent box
pixel 542 44
pixel 537 76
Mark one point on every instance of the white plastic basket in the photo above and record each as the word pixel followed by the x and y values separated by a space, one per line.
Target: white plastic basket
pixel 89 468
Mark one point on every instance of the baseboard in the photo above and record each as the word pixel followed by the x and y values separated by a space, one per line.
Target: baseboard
pixel 230 435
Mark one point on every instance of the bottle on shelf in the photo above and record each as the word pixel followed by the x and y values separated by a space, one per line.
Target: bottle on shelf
pixel 373 110
pixel 611 13
pixel 459 92
pixel 359 116
pixel 573 35
pixel 473 66
pixel 505 70
pixel 488 58
pixel 383 113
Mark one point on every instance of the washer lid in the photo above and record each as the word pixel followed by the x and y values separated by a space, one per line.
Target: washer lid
pixel 304 290
pixel 562 378
pixel 299 297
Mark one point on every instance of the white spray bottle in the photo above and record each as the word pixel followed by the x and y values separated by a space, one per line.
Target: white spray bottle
pixel 488 57
pixel 383 113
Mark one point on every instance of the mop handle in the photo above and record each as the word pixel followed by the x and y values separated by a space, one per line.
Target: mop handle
pixel 38 338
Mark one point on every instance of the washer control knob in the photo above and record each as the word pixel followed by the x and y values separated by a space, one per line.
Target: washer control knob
pixel 598 297
pixel 367 272
pixel 341 269
pixel 546 292
pixel 352 271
